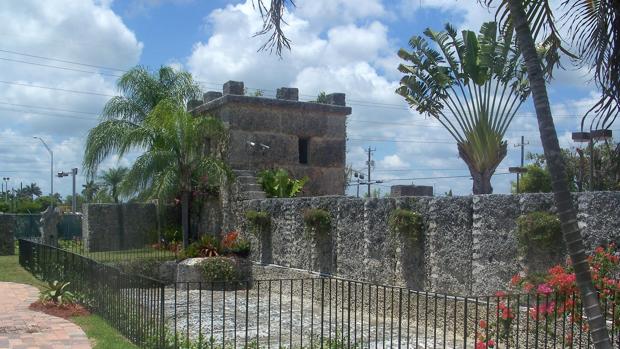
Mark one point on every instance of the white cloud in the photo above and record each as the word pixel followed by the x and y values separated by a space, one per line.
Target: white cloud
pixel 76 31
pixel 392 162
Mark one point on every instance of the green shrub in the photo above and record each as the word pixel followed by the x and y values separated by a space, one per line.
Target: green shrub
pixel 219 269
pixel 407 223
pixel 56 292
pixel 172 234
pixel 278 184
pixel 539 231
pixel 317 221
pixel 260 221
pixel 70 245
pixel 206 246
pixel 233 243
pixel 241 248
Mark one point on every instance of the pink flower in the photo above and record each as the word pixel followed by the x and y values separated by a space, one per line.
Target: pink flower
pixel 544 289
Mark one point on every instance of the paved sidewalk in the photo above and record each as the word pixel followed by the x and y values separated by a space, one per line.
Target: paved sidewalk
pixel 22 328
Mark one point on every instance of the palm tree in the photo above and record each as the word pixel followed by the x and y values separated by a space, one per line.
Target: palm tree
pixel 90 190
pixel 522 14
pixel 30 191
pixel 111 179
pixel 175 160
pixel 140 92
pixel 473 86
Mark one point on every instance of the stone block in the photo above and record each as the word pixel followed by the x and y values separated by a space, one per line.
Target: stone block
pixel 7 233
pixel 411 190
pixel 336 99
pixel 599 218
pixel 304 124
pixel 323 180
pixel 288 93
pixel 211 95
pixel 254 119
pixel 494 254
pixel 109 227
pixel 282 150
pixel 326 152
pixel 450 244
pixel 336 126
pixel 234 88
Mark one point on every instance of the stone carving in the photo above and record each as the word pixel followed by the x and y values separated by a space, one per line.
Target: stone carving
pixel 48 225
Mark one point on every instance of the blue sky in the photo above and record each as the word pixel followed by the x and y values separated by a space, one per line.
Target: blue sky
pixel 338 46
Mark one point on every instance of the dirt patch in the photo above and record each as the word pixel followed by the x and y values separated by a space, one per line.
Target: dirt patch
pixel 64 311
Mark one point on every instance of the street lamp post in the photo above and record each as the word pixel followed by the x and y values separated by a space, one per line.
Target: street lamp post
pixel 73 173
pixel 6 188
pixel 51 167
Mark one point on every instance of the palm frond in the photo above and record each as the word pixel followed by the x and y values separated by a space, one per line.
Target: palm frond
pixel 103 140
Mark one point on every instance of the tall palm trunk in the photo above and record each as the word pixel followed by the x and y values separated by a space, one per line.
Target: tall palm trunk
pixel 185 217
pixel 563 200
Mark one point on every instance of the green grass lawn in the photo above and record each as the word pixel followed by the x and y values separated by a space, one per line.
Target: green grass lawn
pixel 100 333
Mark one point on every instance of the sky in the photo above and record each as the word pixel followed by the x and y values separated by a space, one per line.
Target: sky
pixel 60 60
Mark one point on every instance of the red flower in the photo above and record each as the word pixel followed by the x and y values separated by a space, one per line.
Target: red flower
pixel 230 239
pixel 483 324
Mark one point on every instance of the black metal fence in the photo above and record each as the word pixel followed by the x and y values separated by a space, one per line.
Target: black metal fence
pixel 336 313
pixel 320 312
pixel 133 304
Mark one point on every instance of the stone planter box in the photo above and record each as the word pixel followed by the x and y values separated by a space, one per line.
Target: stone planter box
pixel 214 273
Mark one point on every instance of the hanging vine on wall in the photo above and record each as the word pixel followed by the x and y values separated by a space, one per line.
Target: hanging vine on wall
pixel 260 221
pixel 407 223
pixel 539 231
pixel 318 221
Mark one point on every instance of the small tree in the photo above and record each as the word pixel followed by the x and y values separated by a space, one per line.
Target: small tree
pixel 473 85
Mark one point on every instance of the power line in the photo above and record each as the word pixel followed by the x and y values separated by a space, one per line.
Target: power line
pixel 48 108
pixel 63 60
pixel 442 177
pixel 52 115
pixel 353 102
pixel 57 89
pixel 57 67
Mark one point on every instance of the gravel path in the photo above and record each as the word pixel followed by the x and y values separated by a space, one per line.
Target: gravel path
pixel 288 320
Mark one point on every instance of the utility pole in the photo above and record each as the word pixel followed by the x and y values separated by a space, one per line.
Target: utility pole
pixel 521 168
pixel 74 172
pixel 369 164
pixel 51 168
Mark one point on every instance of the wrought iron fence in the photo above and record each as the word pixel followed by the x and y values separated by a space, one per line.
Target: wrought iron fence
pixel 319 312
pixel 335 313
pixel 133 304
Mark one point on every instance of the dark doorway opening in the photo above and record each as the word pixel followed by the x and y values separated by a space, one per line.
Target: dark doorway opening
pixel 303 150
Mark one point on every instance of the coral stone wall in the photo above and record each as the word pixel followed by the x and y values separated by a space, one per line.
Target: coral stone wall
pixel 108 227
pixel 7 230
pixel 469 244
